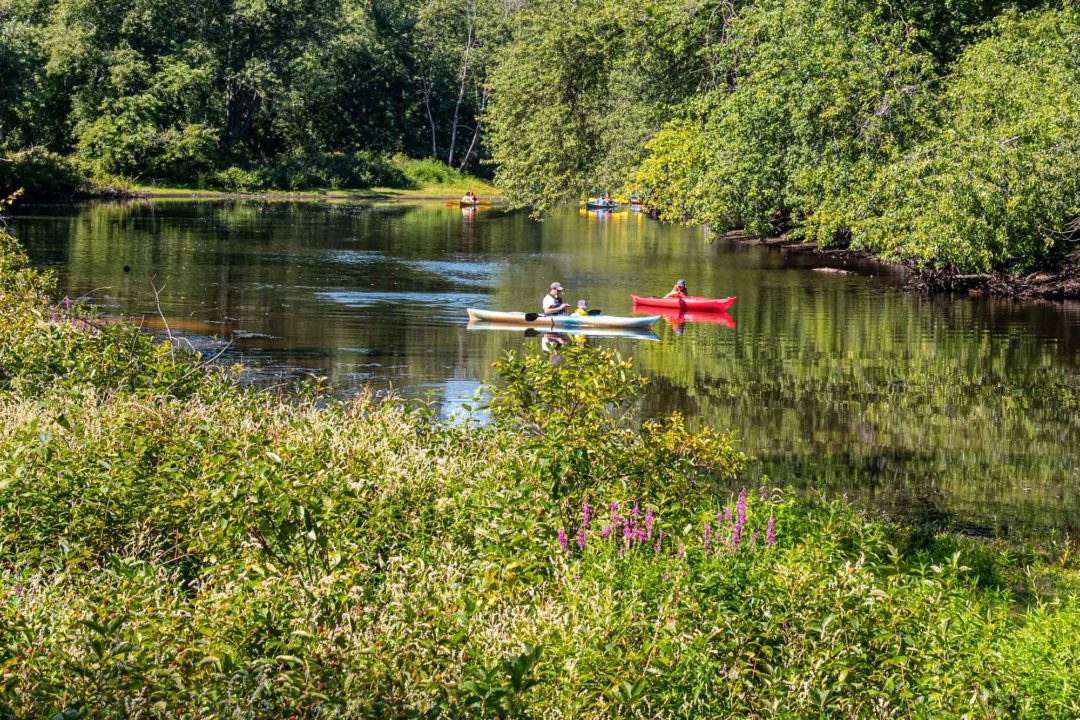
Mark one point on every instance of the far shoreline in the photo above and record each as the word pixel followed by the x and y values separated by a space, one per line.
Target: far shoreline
pixel 434 192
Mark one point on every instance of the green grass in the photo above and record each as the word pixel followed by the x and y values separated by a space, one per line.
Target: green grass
pixel 429 191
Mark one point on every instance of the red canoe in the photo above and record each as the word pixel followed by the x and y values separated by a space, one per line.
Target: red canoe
pixel 698 304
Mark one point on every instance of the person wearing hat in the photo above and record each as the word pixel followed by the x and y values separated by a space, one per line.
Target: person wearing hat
pixel 553 302
pixel 582 308
pixel 679 290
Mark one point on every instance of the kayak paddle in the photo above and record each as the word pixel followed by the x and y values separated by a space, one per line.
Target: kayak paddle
pixel 530 317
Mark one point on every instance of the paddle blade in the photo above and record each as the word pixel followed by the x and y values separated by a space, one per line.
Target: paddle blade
pixel 530 317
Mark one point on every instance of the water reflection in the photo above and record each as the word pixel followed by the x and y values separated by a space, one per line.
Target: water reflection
pixel 579 334
pixel 956 409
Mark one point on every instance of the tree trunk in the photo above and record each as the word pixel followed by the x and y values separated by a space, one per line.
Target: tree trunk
pixel 476 130
pixel 461 93
pixel 427 106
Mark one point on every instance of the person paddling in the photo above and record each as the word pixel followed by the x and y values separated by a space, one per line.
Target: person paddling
pixel 582 308
pixel 679 290
pixel 553 302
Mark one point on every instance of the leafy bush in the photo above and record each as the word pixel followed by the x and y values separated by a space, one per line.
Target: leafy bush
pixel 306 171
pixel 370 169
pixel 572 408
pixel 427 171
pixel 240 180
pixel 41 174
pixel 186 153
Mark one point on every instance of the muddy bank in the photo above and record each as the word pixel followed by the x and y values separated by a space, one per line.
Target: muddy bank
pixel 1061 284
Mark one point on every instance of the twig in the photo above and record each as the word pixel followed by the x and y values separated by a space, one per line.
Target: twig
pixel 157 304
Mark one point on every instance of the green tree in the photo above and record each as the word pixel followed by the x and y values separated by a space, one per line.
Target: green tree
pixel 456 42
pixel 997 184
pixel 820 94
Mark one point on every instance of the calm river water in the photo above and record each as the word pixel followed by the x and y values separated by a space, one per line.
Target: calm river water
pixel 950 409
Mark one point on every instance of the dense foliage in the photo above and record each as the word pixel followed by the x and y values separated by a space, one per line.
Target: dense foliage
pixel 296 92
pixel 942 133
pixel 996 183
pixel 173 544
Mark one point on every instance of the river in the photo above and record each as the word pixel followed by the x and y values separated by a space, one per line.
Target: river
pixel 960 411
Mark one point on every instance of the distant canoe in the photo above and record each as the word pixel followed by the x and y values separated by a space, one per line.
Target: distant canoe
pixel 465 203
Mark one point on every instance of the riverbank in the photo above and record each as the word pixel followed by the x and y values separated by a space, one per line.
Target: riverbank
pixel 430 191
pixel 184 545
pixel 1059 284
pixel 41 175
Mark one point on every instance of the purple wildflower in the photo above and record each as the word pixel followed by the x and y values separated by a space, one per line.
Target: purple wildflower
pixel 770 532
pixel 562 541
pixel 706 543
pixel 641 536
pixel 727 515
pixel 659 542
pixel 736 536
pixel 753 537
pixel 763 493
pixel 605 531
pixel 586 514
pixel 627 533
pixel 67 303
pixel 648 522
pixel 635 512
pixel 581 538
pixel 740 508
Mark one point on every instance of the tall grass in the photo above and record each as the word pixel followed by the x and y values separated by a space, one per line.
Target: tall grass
pixel 175 545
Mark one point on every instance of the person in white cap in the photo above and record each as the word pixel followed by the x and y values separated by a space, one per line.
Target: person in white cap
pixel 553 302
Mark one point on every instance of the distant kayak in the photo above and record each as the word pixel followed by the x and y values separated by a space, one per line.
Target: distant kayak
pixel 600 206
pixel 698 304
pixel 562 322
pixel 467 203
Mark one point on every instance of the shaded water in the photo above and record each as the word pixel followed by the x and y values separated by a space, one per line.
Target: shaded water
pixel 960 410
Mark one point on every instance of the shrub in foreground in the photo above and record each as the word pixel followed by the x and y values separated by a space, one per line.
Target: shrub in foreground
pixel 218 552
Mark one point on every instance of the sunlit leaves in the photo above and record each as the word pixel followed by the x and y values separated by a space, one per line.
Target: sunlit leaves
pixel 997 185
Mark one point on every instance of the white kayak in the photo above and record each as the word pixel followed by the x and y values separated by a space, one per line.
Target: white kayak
pixel 636 333
pixel 561 322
